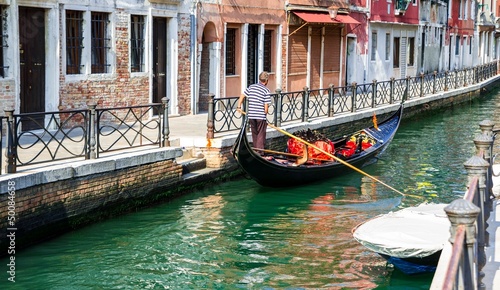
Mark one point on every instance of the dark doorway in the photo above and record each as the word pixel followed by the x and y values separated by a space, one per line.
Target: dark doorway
pixel 32 64
pixel 159 59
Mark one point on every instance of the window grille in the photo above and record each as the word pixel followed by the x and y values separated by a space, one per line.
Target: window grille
pixel 74 41
pixel 268 36
pixel 3 42
pixel 100 46
pixel 231 51
pixel 137 43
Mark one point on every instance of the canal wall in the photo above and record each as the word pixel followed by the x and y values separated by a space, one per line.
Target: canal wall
pixel 43 201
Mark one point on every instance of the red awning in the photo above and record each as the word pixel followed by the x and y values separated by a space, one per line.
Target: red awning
pixel 322 17
pixel 346 19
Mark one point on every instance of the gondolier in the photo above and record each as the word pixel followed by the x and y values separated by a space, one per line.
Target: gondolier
pixel 258 105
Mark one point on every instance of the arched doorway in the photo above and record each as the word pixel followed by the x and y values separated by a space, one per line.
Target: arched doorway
pixel 206 72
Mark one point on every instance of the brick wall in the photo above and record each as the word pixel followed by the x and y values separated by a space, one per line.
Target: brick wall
pixel 108 91
pixel 51 208
pixel 184 71
pixel 7 99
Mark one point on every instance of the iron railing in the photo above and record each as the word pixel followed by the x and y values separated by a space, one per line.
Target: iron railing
pixel 85 133
pixel 306 105
pixel 460 264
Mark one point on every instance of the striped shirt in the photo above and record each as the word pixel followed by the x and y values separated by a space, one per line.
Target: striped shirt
pixel 257 95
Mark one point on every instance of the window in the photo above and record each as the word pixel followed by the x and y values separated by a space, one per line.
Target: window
pixel 387 46
pixel 99 42
pixel 411 51
pixel 231 51
pixel 374 46
pixel 470 45
pixel 137 43
pixel 74 41
pixel 457 45
pixel 268 36
pixel 395 59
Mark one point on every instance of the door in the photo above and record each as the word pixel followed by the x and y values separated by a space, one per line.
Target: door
pixel 159 59
pixel 32 65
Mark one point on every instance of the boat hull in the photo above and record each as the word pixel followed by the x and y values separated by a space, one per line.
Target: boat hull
pixel 411 239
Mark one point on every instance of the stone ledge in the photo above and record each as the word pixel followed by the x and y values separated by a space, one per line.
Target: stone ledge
pixel 37 175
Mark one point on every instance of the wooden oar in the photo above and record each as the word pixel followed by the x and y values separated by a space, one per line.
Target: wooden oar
pixel 336 158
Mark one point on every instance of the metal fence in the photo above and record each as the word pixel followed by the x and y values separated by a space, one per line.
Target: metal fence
pixel 306 105
pixel 34 138
pixel 460 267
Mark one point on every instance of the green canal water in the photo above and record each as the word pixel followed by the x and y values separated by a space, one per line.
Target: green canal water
pixel 238 235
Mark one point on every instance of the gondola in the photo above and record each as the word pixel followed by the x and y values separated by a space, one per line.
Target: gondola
pixel 282 169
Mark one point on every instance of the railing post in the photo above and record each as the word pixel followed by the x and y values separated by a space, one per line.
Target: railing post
pixel 11 153
pixel 465 77
pixel 477 167
pixel 305 104
pixel 353 98
pixel 391 94
pixel 374 93
pixel 278 108
pixel 434 76
pixel 91 152
pixel 484 142
pixel 166 127
pixel 446 81
pixel 486 127
pixel 331 102
pixel 422 85
pixel 210 121
pixel 464 212
pixel 407 89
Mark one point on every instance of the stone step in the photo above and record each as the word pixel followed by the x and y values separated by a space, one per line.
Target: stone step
pixel 189 153
pixel 192 164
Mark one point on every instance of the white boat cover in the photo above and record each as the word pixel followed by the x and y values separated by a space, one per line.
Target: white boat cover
pixel 413 232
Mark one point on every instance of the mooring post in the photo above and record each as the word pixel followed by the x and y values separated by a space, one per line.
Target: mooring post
pixel 277 111
pixel 210 117
pixel 11 153
pixel 91 152
pixel 166 127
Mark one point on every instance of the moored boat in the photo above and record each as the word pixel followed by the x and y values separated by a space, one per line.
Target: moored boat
pixel 411 239
pixel 281 169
